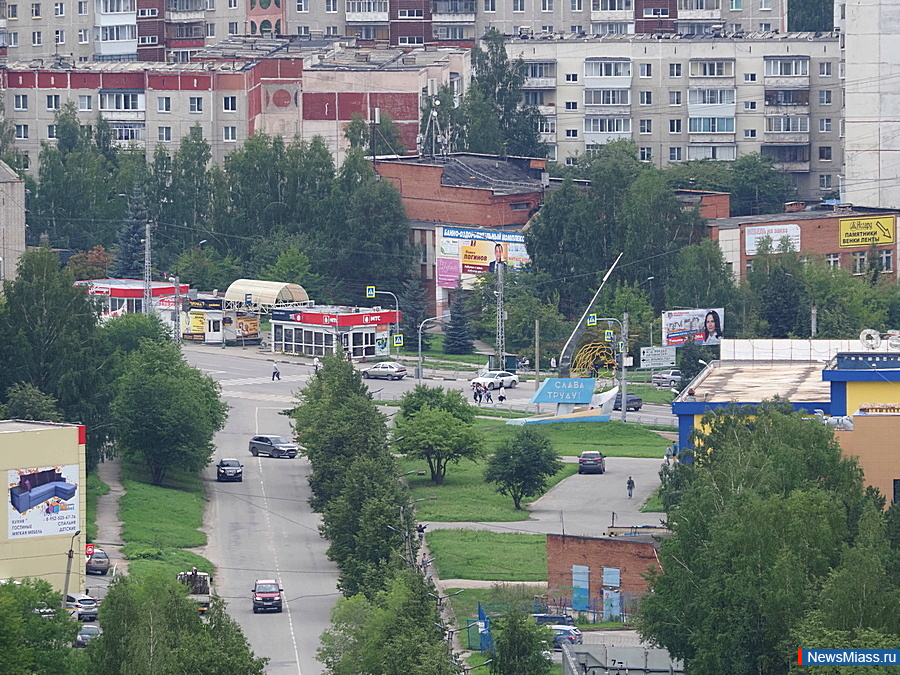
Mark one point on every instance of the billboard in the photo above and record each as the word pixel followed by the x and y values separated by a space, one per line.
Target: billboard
pixel 753 235
pixel 463 254
pixel 702 326
pixel 43 501
pixel 874 231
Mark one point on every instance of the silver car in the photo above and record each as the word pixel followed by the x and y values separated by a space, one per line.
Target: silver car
pixel 494 378
pixel 85 604
pixel 667 378
pixel 273 446
pixel 389 370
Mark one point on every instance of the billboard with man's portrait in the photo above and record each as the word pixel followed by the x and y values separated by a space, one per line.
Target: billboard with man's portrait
pixel 464 254
pixel 700 326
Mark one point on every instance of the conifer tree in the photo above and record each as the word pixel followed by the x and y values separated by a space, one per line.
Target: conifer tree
pixel 130 257
pixel 458 338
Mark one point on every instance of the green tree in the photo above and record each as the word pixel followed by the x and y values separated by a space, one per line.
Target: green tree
pixel 205 268
pixel 810 15
pixel 166 411
pixel 522 465
pixel 437 398
pixel 439 438
pixel 130 253
pixel 519 645
pixel 757 187
pixel 458 338
pixel 293 266
pixel 386 135
pixel 702 278
pixel 26 402
pixel 93 264
pixel 415 309
pixel 124 334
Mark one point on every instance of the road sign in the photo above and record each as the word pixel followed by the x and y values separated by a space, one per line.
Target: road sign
pixel 621 347
pixel 89 549
pixel 398 340
pixel 592 320
pixel 657 357
pixel 370 291
pixel 248 298
pixel 608 335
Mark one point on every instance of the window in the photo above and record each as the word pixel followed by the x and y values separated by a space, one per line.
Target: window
pixel 229 104
pixel 674 98
pixel 518 5
pixel 825 69
pixel 712 68
pixel 833 259
pixel 59 9
pixel 787 67
pixel 749 77
pixel 711 96
pixel 211 5
pixel 21 131
pixel 787 124
pixel 229 133
pixel 646 154
pixel 674 126
pixel 645 126
pixel 490 5
pixel 12 39
pixel 116 33
pixel 612 125
pixel 233 4
pixel 12 11
pixel 765 27
pixel 331 6
pixel 547 29
pixel 59 37
pixel 85 102
pixel 646 69
pixel 233 28
pixel 612 28
pixel 120 102
pixel 824 153
pixel 539 70
pixel 411 40
pixel 646 98
pixel 721 153
pixel 674 70
pixel 825 125
pixel 675 154
pixel 749 133
pixel 787 97
pixel 546 125
pixel 841 128
pixel 571 133
pixel 83 36
pixel 37 39
pixel 20 102
pixel 711 125
pixel 51 131
pixel 737 5
pixel 82 8
pixel 607 68
pixel 607 96
pixel 163 104
pixel 571 77
pixel 656 12
pixel 765 4
pixel 749 105
pixel 164 134
pixel 147 12
pixel 825 97
pixel 886 260
pixel 576 5
pixel 571 105
pixel 859 257
pixel 195 104
pixel 533 98
pixel 211 30
pixel 610 5
pixel 35 10
pixel 699 4
pixel 824 181
pixel 410 13
pixel 53 102
pixel 546 5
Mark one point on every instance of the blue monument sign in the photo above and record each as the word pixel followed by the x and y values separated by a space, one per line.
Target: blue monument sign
pixel 575 390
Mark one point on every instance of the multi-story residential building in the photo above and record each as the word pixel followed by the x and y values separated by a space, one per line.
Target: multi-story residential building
pixel 681 98
pixel 244 85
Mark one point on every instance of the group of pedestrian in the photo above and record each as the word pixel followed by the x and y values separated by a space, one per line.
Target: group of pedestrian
pixel 671 456
pixel 481 393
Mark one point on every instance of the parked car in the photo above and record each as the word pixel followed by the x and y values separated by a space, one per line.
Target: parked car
pixel 273 446
pixel 493 378
pixel 266 595
pixel 568 634
pixel 389 370
pixel 98 562
pixel 667 378
pixel 85 634
pixel 229 469
pixel 85 604
pixel 554 619
pixel 634 402
pixel 591 461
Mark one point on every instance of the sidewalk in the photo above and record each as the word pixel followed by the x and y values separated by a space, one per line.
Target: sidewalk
pixel 109 527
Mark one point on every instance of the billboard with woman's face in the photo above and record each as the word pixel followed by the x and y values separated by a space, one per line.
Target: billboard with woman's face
pixel 700 326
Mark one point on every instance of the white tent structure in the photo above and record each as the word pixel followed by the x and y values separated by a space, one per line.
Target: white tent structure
pixel 261 296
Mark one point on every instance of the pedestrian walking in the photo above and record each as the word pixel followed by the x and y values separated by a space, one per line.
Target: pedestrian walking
pixel 501 393
pixel 630 487
pixel 475 391
pixel 488 395
pixel 316 363
pixel 276 374
pixel 668 456
pixel 479 393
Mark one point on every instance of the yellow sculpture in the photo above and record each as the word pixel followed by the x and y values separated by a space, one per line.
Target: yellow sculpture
pixel 595 359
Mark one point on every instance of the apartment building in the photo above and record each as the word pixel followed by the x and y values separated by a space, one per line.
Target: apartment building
pixel 244 85
pixel 691 97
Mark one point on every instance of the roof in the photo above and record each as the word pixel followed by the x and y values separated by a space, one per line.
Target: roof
pixel 736 221
pixel 740 36
pixel 7 175
pixel 753 381
pixel 502 175
pixel 7 426
pixel 265 293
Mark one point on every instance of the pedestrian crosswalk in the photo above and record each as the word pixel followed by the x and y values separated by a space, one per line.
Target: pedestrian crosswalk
pixel 248 395
pixel 243 381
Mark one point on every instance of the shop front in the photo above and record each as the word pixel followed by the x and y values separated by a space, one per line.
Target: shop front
pixel 204 318
pixel 361 332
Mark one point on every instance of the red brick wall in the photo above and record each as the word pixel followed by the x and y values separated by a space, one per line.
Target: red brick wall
pixel 715 206
pixel 631 557
pixel 654 24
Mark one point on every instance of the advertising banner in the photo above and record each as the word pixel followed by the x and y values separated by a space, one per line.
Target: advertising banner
pixel 873 231
pixel 196 330
pixel 702 326
pixel 247 325
pixel 382 341
pixel 776 233
pixel 463 254
pixel 43 501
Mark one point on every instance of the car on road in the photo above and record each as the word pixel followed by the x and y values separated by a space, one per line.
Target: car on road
pixel 85 604
pixel 85 634
pixel 273 446
pixel 229 469
pixel 567 634
pixel 267 596
pixel 666 378
pixel 634 402
pixel 494 378
pixel 97 563
pixel 554 619
pixel 591 461
pixel 389 370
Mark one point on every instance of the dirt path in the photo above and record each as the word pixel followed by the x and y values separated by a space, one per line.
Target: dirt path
pixel 109 527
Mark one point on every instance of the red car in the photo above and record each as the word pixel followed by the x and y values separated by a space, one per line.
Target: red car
pixel 267 596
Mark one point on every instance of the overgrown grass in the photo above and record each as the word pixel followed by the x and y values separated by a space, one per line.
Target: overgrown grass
pixel 654 504
pixel 436 353
pixel 492 556
pixel 464 496
pixel 613 439
pixel 499 596
pixel 95 489
pixel 651 394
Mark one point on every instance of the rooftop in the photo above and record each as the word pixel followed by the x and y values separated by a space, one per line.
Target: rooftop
pixel 8 426
pixel 740 36
pixel 737 221
pixel 752 382
pixel 504 176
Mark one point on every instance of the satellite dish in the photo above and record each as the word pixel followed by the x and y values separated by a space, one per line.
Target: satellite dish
pixel 870 338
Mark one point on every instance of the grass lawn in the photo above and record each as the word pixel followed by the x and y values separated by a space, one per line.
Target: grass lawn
pixel 493 556
pixel 654 504
pixel 464 495
pixel 651 394
pixel 436 353
pixel 613 439
pixel 95 488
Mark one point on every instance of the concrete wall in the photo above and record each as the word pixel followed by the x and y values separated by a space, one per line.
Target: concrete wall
pixel 12 222
pixel 873 441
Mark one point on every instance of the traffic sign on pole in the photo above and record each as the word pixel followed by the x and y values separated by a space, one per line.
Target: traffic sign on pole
pixel 398 340
pixel 370 291
pixel 592 320
pixel 89 549
pixel 608 335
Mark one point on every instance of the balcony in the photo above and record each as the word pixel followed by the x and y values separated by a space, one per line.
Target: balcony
pixel 786 82
pixel 548 110
pixel 788 138
pixel 614 16
pixel 185 10
pixel 604 137
pixel 539 83
pixel 700 15
pixel 367 11
pixel 453 11
pixel 547 137
pixel 792 167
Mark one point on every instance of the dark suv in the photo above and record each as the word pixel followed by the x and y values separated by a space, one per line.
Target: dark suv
pixel 591 461
pixel 98 562
pixel 230 469
pixel 273 446
pixel 634 402
pixel 266 595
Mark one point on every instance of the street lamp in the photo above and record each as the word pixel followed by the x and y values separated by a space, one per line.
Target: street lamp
pixel 623 327
pixel 396 315
pixel 71 555
pixel 422 325
pixel 440 598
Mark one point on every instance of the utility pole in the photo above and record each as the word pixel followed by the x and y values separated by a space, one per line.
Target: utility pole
pixel 376 119
pixel 148 288
pixel 71 555
pixel 177 311
pixel 501 320
pixel 537 358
